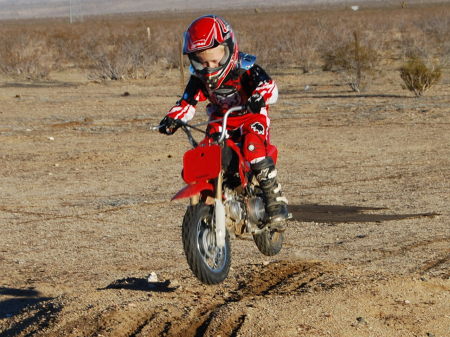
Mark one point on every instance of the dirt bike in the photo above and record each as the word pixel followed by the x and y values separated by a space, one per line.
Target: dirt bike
pixel 225 200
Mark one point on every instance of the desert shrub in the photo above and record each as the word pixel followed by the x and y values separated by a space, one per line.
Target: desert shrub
pixel 437 30
pixel 24 56
pixel 121 58
pixel 130 53
pixel 117 46
pixel 66 46
pixel 418 77
pixel 355 61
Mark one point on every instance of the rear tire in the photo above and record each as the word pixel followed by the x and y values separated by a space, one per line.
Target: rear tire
pixel 209 263
pixel 269 242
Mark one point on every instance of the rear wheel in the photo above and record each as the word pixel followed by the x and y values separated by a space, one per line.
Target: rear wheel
pixel 269 242
pixel 209 263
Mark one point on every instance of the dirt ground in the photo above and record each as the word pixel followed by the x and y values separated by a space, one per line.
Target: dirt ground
pixel 85 214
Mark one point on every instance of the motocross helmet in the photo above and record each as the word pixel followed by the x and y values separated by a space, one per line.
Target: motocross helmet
pixel 207 32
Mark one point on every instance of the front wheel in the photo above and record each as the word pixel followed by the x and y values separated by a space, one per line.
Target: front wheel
pixel 209 263
pixel 269 242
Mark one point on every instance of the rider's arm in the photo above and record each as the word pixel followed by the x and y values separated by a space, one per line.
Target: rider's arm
pixel 259 82
pixel 184 109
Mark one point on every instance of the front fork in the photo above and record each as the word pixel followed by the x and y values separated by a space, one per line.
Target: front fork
pixel 195 199
pixel 219 212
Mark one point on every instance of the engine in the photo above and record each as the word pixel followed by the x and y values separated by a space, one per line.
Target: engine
pixel 234 210
pixel 242 213
pixel 255 210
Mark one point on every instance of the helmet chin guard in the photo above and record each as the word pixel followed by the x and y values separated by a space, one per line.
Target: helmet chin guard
pixel 208 32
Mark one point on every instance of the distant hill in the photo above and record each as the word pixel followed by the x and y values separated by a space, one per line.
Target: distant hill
pixel 18 9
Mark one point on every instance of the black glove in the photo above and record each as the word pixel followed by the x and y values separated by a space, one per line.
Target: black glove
pixel 168 125
pixel 255 103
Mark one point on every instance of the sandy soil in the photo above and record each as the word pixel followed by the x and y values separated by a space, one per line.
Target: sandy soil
pixel 85 215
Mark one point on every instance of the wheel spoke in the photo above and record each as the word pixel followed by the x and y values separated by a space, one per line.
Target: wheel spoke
pixel 214 257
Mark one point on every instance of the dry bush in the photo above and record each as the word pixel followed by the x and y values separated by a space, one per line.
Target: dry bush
pixel 357 62
pixel 118 47
pixel 437 30
pixel 67 45
pixel 129 53
pixel 24 55
pixel 273 44
pixel 418 77
pixel 122 57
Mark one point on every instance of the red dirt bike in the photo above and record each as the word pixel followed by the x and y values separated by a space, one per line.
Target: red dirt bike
pixel 225 200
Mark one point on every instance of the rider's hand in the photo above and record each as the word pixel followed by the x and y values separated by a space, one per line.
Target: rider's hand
pixel 255 103
pixel 168 125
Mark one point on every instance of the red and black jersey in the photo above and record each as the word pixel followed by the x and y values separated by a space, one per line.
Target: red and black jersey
pixel 241 83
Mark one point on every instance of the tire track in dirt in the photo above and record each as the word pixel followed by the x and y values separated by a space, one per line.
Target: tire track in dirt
pixel 430 265
pixel 226 315
pixel 435 264
pixel 189 309
pixel 279 279
pixel 420 244
pixel 140 310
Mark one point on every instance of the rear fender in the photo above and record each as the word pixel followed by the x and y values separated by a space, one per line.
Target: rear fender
pixel 193 189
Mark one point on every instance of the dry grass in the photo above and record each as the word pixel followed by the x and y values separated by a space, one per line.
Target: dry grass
pixel 119 47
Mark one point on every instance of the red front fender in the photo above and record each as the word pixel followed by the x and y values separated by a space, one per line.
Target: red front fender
pixel 193 189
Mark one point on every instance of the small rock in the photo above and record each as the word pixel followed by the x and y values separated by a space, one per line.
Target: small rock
pixel 152 278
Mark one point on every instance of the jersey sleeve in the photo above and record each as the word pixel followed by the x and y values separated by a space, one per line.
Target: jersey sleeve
pixel 184 109
pixel 263 84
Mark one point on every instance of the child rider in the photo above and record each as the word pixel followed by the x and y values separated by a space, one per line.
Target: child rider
pixel 227 78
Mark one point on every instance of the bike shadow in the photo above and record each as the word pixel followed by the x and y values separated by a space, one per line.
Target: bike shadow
pixel 141 284
pixel 334 214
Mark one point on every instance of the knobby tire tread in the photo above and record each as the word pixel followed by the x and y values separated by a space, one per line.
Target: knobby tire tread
pixel 193 215
pixel 269 243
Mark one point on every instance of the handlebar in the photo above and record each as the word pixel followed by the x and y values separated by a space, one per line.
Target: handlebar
pixel 185 126
pixel 225 119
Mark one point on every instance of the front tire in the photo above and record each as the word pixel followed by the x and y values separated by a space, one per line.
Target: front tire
pixel 209 263
pixel 269 242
